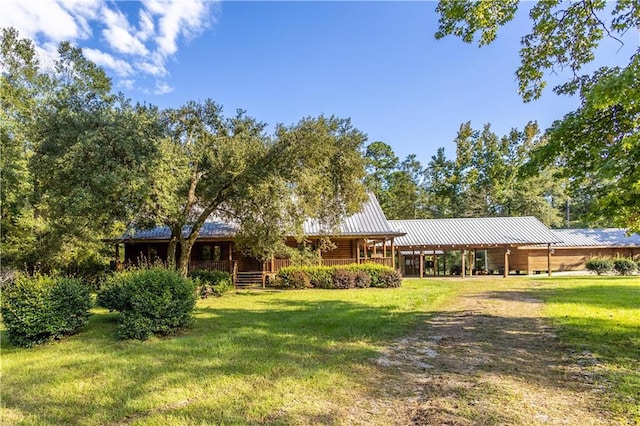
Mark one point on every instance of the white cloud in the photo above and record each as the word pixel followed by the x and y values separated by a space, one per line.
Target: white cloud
pixel 127 84
pixel 47 19
pixel 147 27
pixel 118 33
pixel 130 46
pixel 162 88
pixel 106 60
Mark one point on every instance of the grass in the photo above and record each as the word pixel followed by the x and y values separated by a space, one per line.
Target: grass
pixel 256 357
pixel 600 316
pixel 294 357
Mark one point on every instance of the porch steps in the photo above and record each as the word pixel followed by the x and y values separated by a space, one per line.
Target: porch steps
pixel 248 279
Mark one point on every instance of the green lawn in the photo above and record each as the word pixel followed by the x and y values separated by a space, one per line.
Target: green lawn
pixel 294 357
pixel 255 357
pixel 600 316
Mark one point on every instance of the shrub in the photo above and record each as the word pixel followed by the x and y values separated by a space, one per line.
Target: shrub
pixel 293 277
pixel 150 301
pixel 349 276
pixel 389 279
pixel 320 276
pixel 600 265
pixel 362 279
pixel 624 266
pixel 372 269
pixel 344 278
pixel 214 283
pixel 39 308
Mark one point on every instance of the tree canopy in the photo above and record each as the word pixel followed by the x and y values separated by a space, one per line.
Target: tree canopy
pixel 600 140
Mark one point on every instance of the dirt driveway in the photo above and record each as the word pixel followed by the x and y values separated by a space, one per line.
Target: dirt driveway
pixel 490 358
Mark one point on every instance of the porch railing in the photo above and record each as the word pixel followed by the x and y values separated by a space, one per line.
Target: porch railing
pixel 210 265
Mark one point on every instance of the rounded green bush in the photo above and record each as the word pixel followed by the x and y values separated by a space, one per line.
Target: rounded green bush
pixel 40 308
pixel 600 265
pixel 344 278
pixel 624 266
pixel 150 301
pixel 293 277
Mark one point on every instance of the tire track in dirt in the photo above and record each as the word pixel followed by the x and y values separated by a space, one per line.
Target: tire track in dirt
pixel 490 358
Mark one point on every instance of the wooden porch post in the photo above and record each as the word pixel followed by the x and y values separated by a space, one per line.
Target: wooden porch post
pixel 506 262
pixel 358 251
pixel 384 247
pixel 436 271
pixel 393 255
pixel 273 264
pixel 549 259
pixel 444 262
pixel 421 264
pixel 463 254
pixel 231 257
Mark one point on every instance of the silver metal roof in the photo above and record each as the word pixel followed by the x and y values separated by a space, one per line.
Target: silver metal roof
pixel 370 221
pixel 601 237
pixel 473 232
pixel 210 229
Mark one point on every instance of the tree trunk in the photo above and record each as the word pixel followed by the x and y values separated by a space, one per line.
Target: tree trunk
pixel 176 233
pixel 171 252
pixel 186 244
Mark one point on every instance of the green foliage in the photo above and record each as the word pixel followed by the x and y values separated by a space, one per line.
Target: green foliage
pixel 292 278
pixel 214 283
pixel 600 142
pixel 362 279
pixel 600 265
pixel 344 278
pixel 150 301
pixel 40 308
pixel 389 279
pixel 624 266
pixel 320 276
pixel 332 277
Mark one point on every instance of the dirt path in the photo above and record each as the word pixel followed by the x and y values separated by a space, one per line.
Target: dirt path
pixel 490 358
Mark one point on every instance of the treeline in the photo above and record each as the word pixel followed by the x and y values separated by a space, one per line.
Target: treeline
pixel 81 163
pixel 491 175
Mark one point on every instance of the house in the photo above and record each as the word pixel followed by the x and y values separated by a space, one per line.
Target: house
pixel 363 237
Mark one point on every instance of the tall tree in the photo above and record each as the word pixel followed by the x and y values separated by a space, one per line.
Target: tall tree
pixel 600 138
pixel 83 154
pixel 380 164
pixel 228 168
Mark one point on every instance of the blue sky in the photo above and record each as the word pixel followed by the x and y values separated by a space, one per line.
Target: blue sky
pixel 375 62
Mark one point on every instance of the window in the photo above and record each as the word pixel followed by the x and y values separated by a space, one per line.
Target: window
pixel 153 253
pixel 206 253
pixel 211 253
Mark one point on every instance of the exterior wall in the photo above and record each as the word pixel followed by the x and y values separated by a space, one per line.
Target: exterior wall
pixel 574 259
pixel 518 260
pixel 562 259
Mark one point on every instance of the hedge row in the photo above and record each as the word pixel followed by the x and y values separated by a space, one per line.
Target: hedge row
pixel 622 266
pixel 337 277
pixel 40 308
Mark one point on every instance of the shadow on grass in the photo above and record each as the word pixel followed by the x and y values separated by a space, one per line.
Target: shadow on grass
pixel 224 370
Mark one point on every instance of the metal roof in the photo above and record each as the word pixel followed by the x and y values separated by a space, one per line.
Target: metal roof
pixel 210 229
pixel 485 231
pixel 370 221
pixel 600 237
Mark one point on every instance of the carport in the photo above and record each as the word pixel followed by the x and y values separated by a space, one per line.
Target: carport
pixel 468 239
